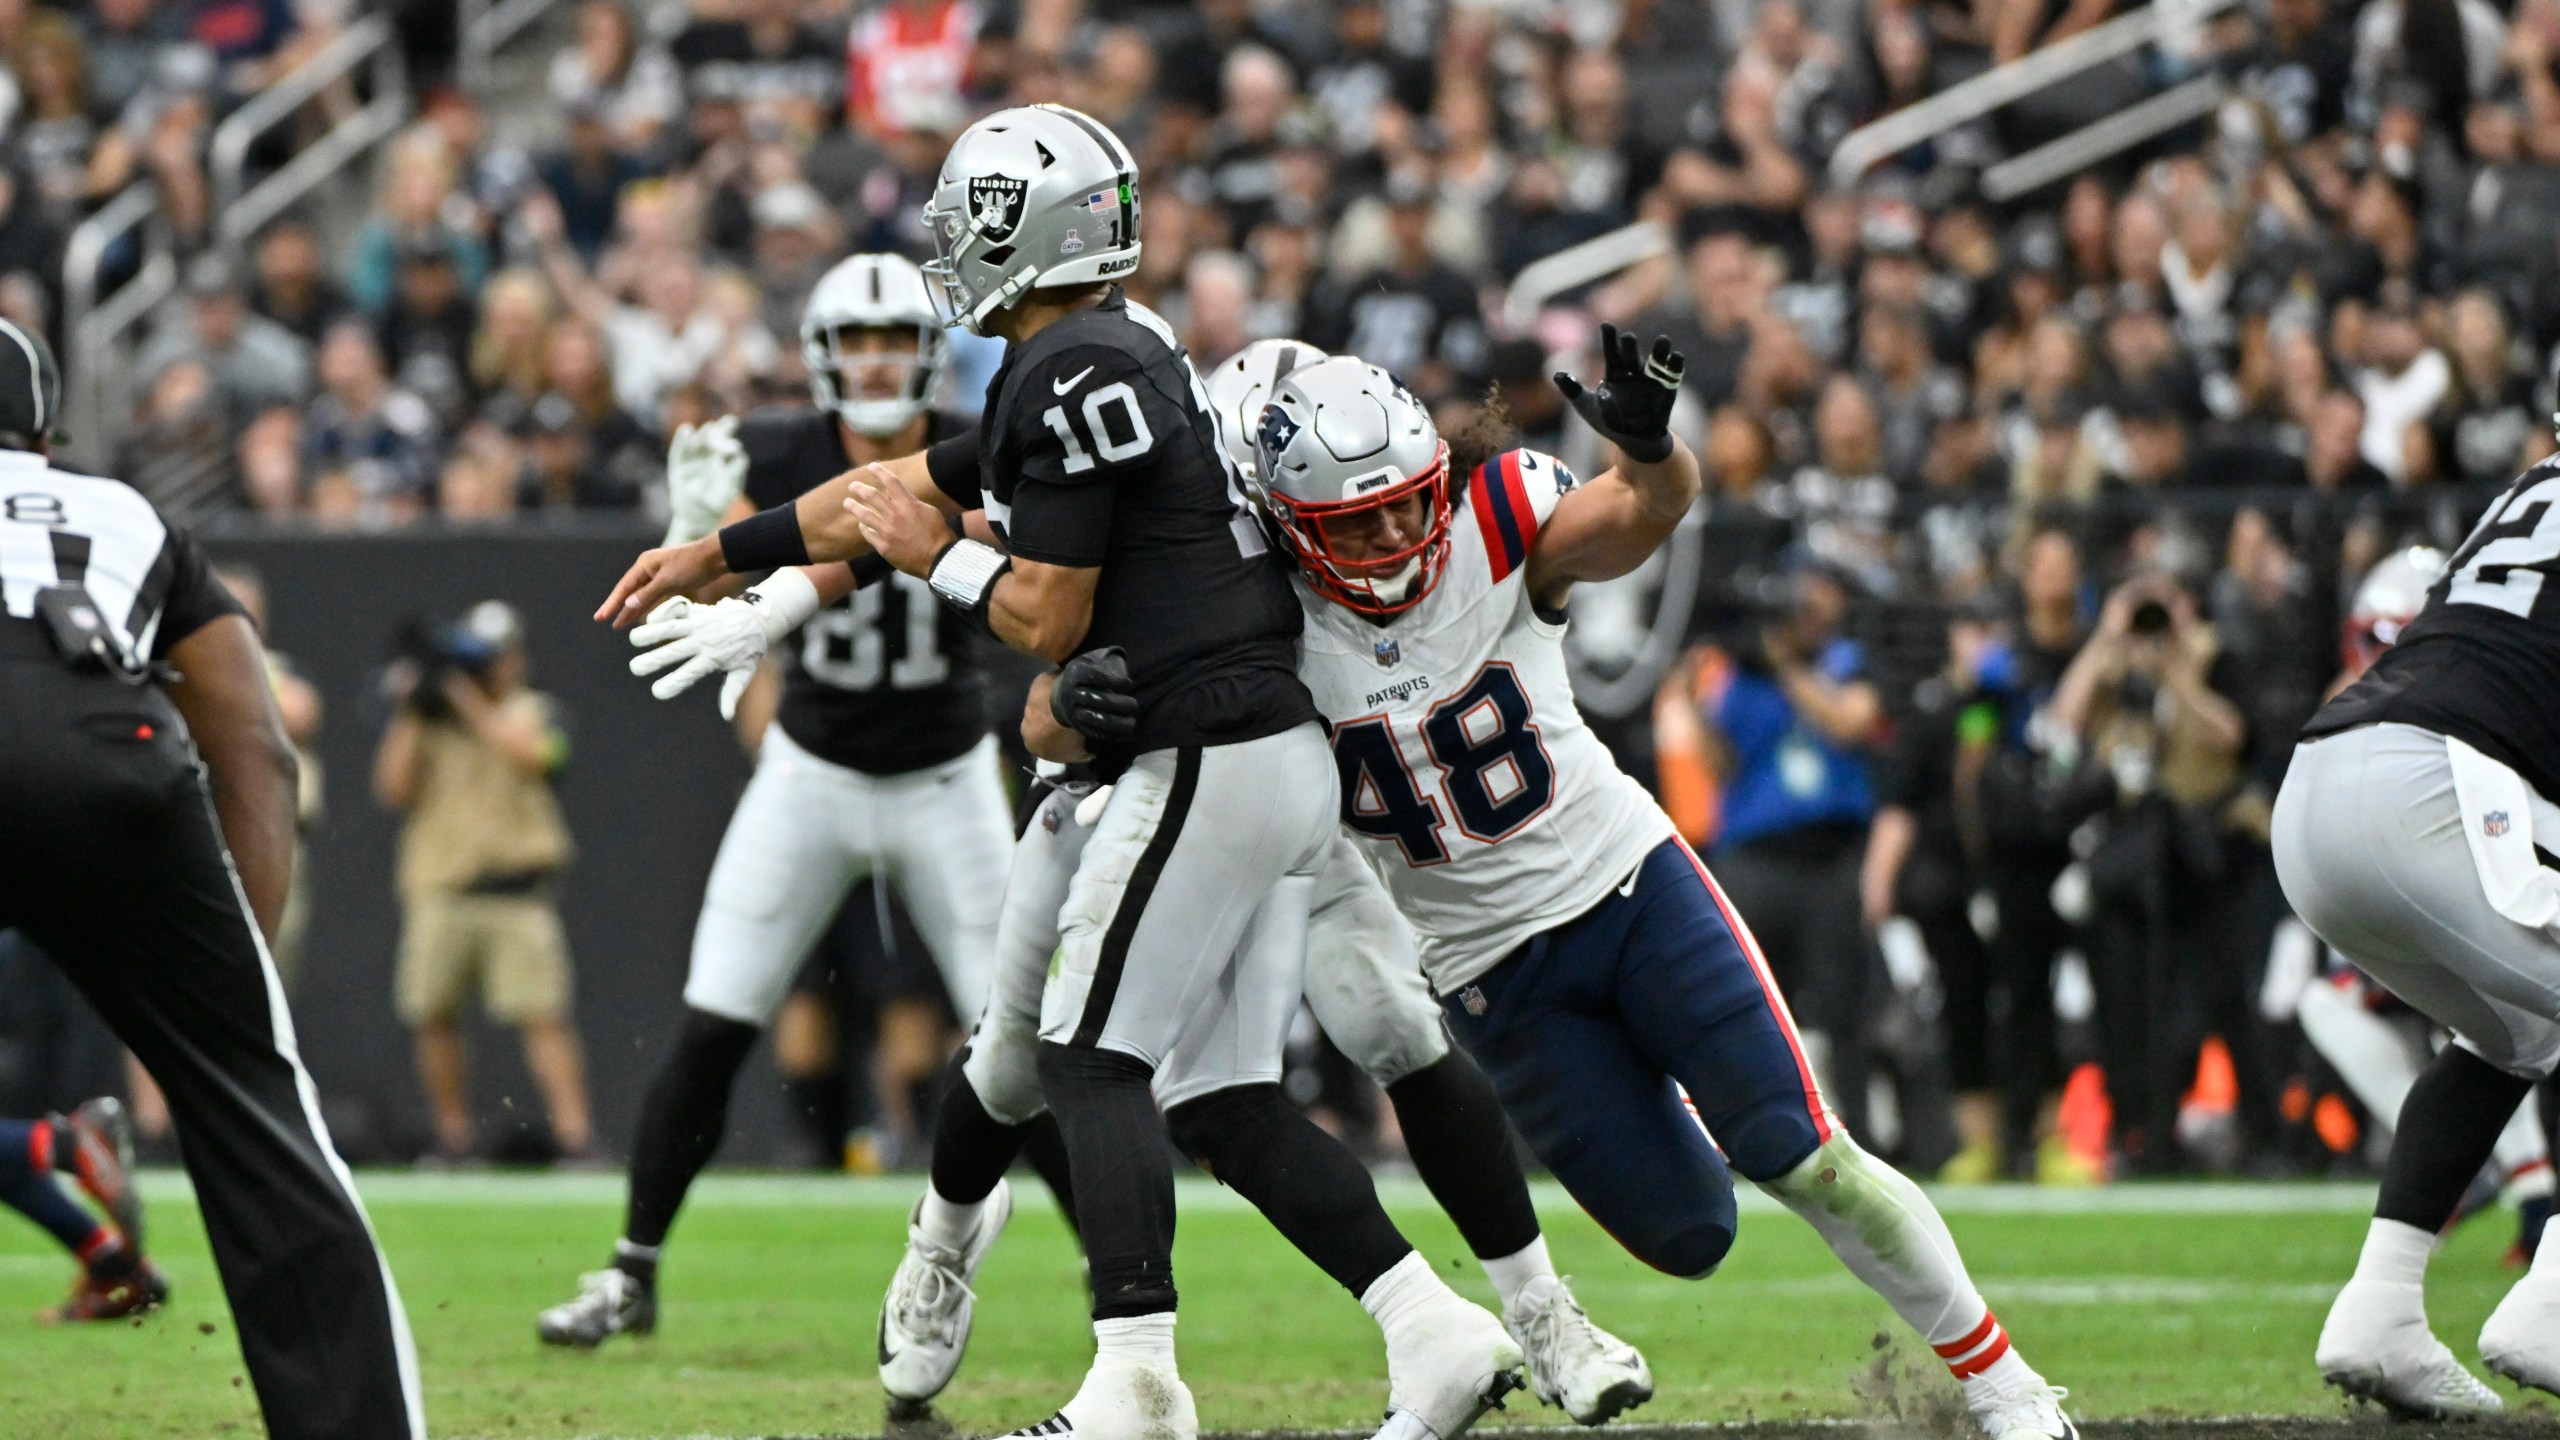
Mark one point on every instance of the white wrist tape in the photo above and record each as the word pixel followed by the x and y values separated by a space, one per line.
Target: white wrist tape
pixel 783 601
pixel 966 574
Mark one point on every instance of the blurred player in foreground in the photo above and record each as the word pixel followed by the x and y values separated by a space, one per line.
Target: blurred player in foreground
pixel 2413 833
pixel 2377 1043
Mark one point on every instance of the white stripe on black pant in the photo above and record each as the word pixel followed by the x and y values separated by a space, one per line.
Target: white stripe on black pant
pixel 112 862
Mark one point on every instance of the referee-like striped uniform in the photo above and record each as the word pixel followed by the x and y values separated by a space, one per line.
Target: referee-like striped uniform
pixel 113 861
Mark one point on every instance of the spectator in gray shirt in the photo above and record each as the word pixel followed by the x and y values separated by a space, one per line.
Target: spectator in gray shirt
pixel 256 364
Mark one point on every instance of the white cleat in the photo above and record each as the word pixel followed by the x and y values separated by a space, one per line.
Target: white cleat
pixel 2376 1346
pixel 1445 1369
pixel 609 1303
pixel 2522 1339
pixel 2012 1402
pixel 924 1322
pixel 1120 1400
pixel 1575 1365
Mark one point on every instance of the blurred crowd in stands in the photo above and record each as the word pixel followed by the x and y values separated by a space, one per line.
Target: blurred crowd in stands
pixel 2031 525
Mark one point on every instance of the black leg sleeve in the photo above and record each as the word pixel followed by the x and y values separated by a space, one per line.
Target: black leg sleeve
pixel 1302 1180
pixel 971 1148
pixel 2448 1126
pixel 682 1121
pixel 1046 1149
pixel 1123 1175
pixel 1454 1130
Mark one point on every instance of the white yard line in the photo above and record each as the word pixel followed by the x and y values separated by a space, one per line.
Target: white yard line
pixel 897 1192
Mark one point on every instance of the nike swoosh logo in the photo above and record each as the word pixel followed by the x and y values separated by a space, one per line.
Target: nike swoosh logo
pixel 1061 387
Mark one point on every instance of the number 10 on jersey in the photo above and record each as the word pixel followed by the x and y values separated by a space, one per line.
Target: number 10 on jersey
pixel 1494 769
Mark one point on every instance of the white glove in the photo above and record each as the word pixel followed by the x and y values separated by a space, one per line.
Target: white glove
pixel 706 471
pixel 693 641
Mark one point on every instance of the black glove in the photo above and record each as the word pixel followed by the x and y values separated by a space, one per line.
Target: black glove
pixel 1095 696
pixel 1632 407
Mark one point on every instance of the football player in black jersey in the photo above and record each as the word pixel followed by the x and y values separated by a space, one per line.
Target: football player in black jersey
pixel 1127 545
pixel 2415 832
pixel 878 761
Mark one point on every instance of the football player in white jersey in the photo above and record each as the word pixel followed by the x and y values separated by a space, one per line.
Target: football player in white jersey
pixel 1582 953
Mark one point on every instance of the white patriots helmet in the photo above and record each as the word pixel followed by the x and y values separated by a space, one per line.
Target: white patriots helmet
pixel 872 292
pixel 1029 198
pixel 1242 384
pixel 2392 594
pixel 1338 440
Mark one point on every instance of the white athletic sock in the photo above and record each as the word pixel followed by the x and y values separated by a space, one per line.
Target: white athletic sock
pixel 1405 1291
pixel 1138 1339
pixel 2395 1253
pixel 947 1224
pixel 1512 1273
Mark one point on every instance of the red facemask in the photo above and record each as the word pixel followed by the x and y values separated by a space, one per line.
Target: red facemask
pixel 1356 584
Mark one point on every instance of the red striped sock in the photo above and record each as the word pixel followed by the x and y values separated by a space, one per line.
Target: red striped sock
pixel 1977 1350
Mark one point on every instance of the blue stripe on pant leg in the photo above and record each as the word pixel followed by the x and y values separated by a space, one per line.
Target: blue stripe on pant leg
pixel 1608 1124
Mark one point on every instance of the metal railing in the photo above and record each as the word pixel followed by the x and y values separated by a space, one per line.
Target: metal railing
pixel 487 26
pixel 1972 99
pixel 1597 258
pixel 94 330
pixel 2100 139
pixel 242 210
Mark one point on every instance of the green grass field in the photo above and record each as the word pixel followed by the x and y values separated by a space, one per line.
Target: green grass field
pixel 2176 1302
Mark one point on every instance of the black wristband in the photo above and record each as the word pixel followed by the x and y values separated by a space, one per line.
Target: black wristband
pixel 869 568
pixel 766 540
pixel 1651 451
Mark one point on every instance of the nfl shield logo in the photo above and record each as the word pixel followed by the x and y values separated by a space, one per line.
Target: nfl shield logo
pixel 2494 824
pixel 995 204
pixel 1389 653
pixel 1472 998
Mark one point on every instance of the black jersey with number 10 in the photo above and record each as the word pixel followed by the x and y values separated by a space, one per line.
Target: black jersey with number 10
pixel 2481 662
pixel 1097 449
pixel 885 680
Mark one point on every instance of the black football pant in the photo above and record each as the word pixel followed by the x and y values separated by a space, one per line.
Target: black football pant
pixel 111 861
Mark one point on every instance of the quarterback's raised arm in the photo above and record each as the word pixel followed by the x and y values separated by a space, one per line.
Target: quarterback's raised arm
pixel 1608 526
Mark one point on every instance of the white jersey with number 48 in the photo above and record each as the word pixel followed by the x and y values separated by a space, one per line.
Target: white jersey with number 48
pixel 1468 776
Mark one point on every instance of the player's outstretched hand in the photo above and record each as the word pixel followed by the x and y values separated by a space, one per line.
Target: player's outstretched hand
pixel 905 531
pixel 692 642
pixel 659 576
pixel 1095 697
pixel 706 472
pixel 1632 407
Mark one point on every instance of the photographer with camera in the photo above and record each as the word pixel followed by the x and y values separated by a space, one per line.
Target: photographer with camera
pixel 469 757
pixel 1790 719
pixel 2148 699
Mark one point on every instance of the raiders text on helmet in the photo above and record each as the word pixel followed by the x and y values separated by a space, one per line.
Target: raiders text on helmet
pixel 871 292
pixel 1339 441
pixel 1239 387
pixel 1031 197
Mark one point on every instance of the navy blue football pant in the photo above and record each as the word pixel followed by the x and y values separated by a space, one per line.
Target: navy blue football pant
pixel 1592 1030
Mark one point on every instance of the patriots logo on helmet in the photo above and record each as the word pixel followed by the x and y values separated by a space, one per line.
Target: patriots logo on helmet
pixel 1278 428
pixel 995 204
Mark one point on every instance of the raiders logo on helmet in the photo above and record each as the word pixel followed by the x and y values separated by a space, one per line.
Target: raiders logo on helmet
pixel 995 203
